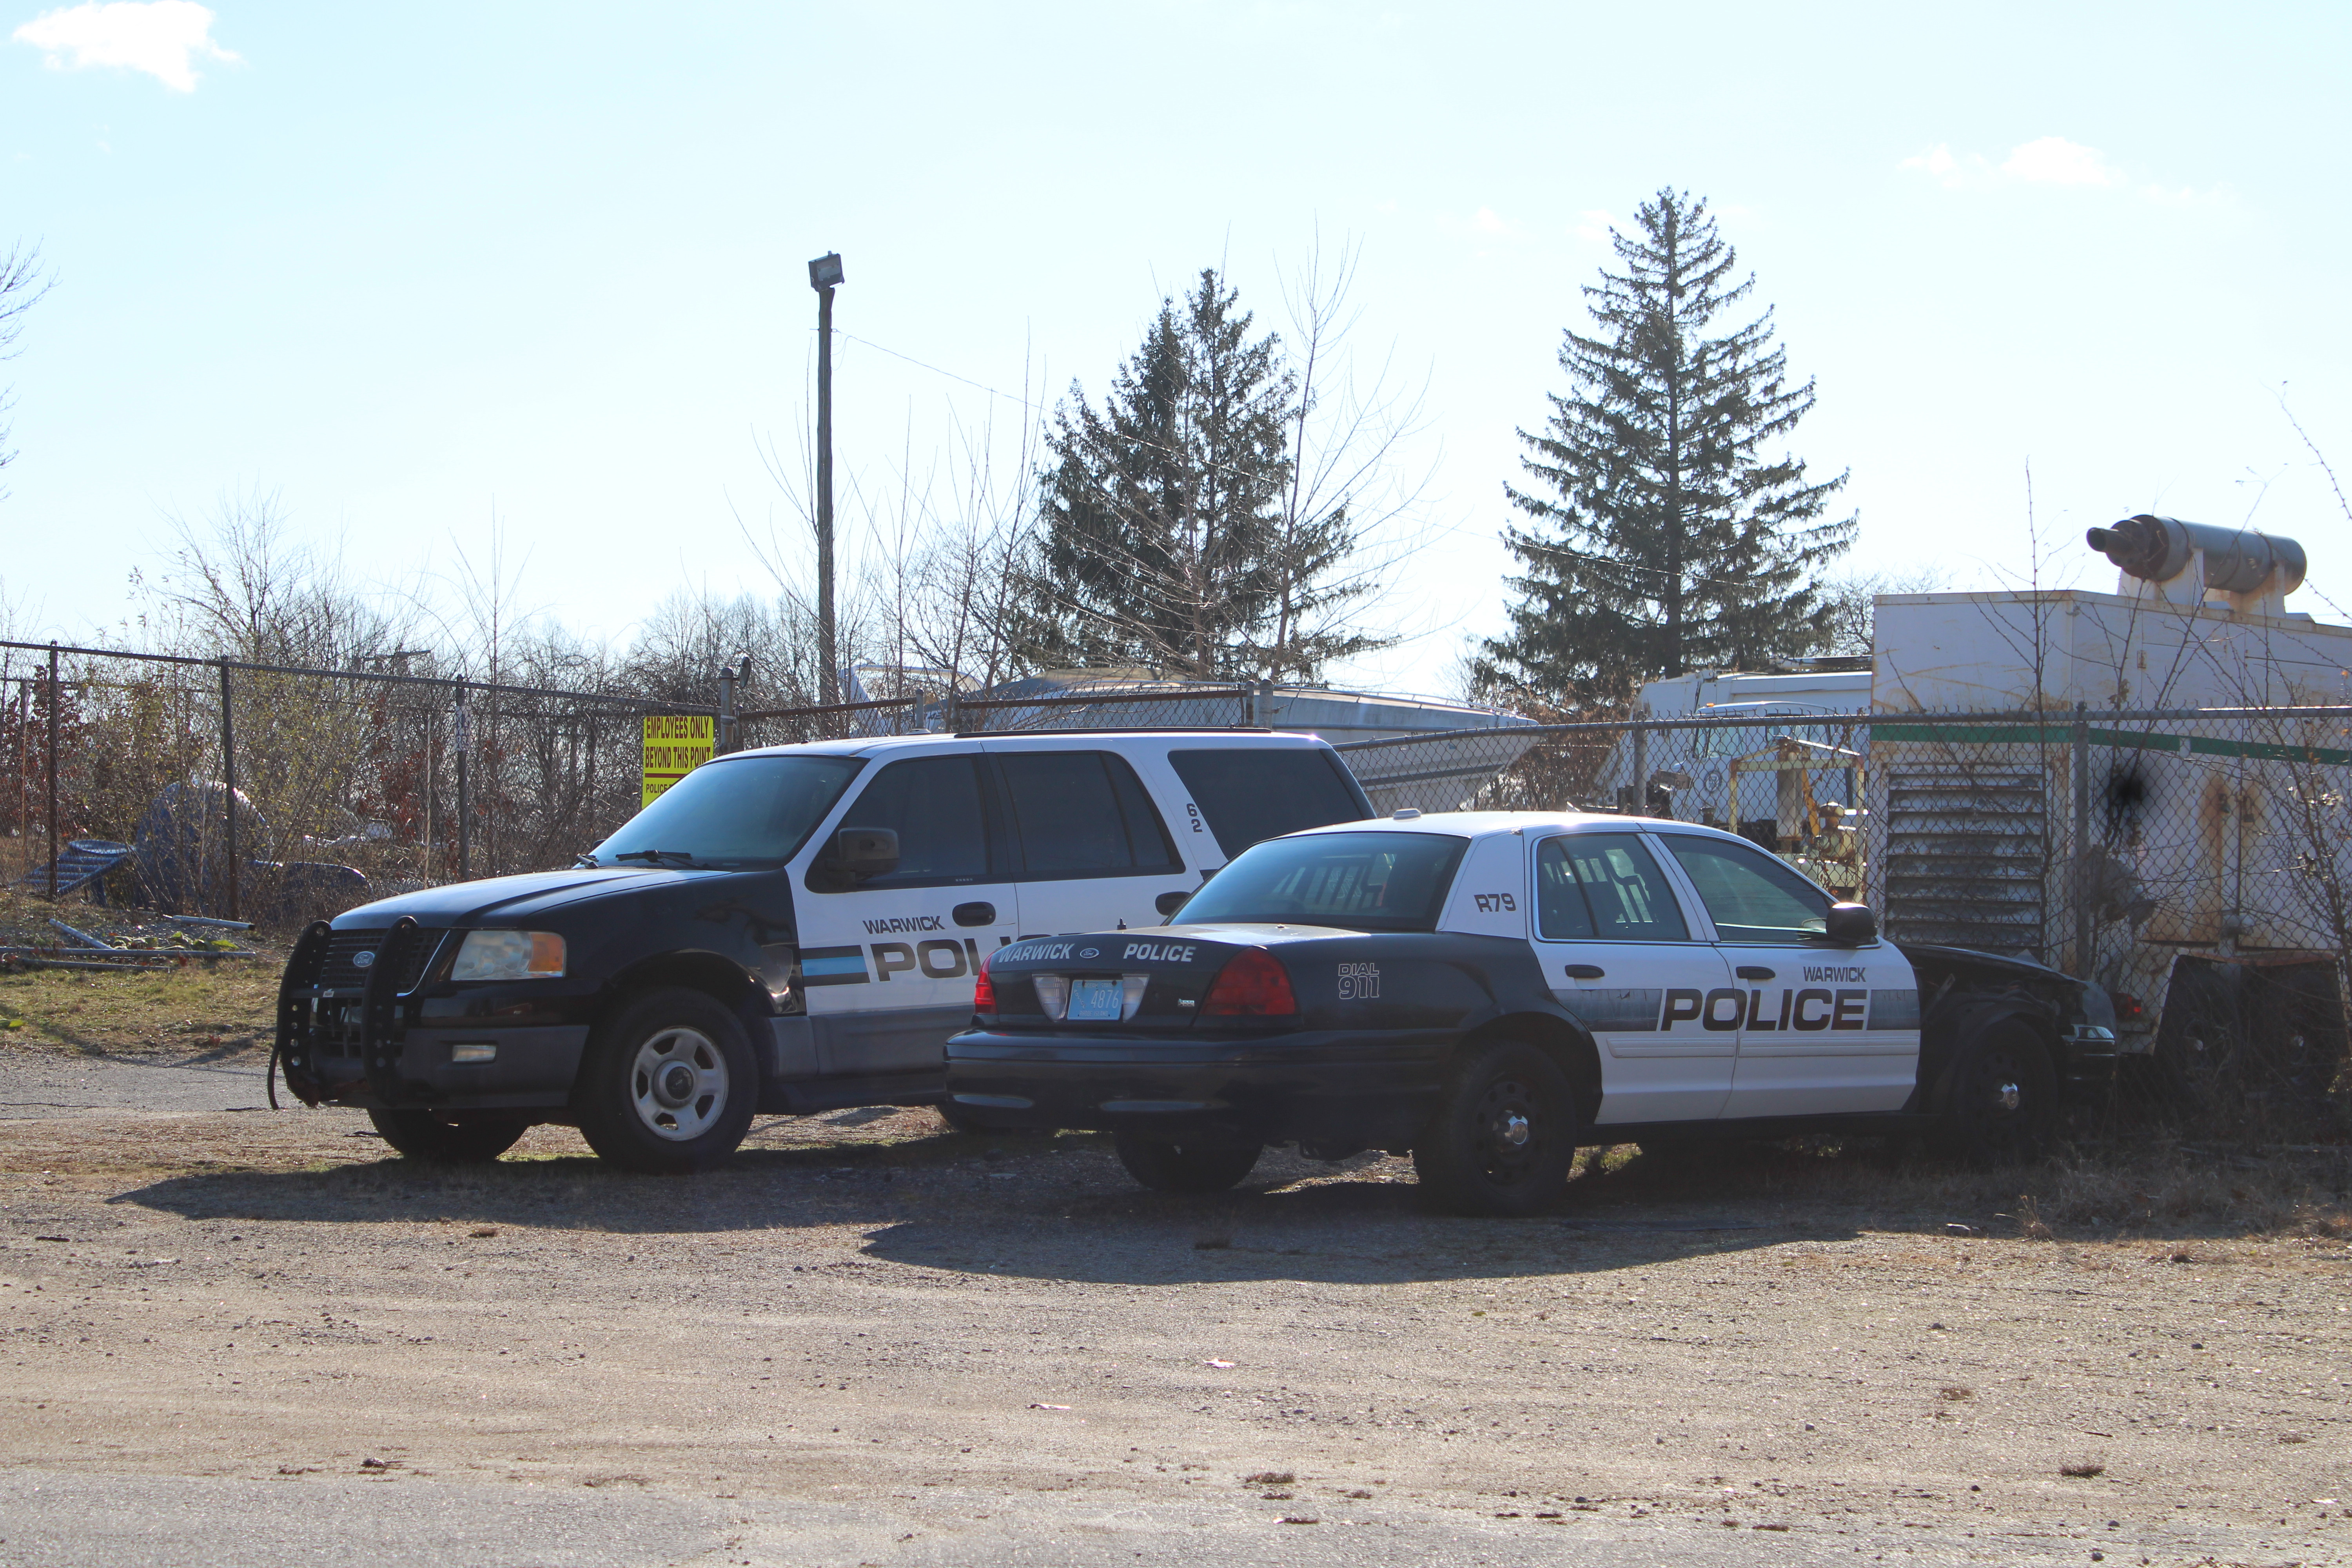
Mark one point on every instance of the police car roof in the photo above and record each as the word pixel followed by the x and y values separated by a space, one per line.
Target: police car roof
pixel 882 745
pixel 1489 824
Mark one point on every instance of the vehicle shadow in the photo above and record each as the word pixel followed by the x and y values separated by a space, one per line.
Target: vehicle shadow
pixel 1062 1208
pixel 1047 1208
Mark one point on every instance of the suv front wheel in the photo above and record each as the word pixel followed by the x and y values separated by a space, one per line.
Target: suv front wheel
pixel 668 1084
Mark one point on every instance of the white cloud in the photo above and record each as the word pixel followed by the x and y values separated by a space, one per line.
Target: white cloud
pixel 1592 225
pixel 2044 160
pixel 1489 221
pixel 160 37
pixel 2054 160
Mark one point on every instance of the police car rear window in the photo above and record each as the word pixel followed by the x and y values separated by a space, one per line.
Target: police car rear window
pixel 1361 881
pixel 1248 795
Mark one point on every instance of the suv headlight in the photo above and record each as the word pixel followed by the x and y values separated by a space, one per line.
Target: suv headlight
pixel 509 955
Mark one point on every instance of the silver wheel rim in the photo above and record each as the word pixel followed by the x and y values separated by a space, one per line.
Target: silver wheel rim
pixel 678 1084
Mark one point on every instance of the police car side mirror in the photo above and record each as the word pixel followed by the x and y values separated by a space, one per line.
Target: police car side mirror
pixel 863 852
pixel 1852 925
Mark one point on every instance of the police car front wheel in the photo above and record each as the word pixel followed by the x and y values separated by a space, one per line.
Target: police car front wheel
pixel 1504 1134
pixel 668 1084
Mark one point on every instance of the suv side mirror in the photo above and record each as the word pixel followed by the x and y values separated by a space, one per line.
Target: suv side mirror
pixel 863 852
pixel 1852 925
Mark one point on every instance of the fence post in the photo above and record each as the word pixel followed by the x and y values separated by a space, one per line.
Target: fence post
pixel 228 782
pixel 1642 773
pixel 463 735
pixel 725 711
pixel 53 771
pixel 2081 859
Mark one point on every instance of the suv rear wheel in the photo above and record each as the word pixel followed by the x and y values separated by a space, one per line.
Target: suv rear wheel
pixel 1185 1167
pixel 426 1135
pixel 1504 1134
pixel 668 1084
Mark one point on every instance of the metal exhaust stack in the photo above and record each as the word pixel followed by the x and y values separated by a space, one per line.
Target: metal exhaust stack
pixel 2190 562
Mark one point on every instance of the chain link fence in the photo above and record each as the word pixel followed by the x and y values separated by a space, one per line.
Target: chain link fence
pixel 117 771
pixel 2193 861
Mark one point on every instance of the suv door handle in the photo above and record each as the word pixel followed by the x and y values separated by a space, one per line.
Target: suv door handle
pixel 1753 971
pixel 1169 903
pixel 975 914
pixel 1584 971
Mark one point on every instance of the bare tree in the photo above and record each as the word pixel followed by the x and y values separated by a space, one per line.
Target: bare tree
pixel 22 285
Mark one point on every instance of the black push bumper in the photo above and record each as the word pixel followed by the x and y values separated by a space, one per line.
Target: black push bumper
pixel 1323 1090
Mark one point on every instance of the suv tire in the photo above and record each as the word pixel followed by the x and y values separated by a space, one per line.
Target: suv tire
pixel 1504 1135
pixel 1187 1167
pixel 667 1085
pixel 1997 1098
pixel 425 1135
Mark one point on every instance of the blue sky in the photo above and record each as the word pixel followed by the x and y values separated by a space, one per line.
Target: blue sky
pixel 412 267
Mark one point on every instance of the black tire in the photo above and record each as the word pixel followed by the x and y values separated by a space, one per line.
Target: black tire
pixel 1504 1135
pixel 958 1118
pixel 426 1135
pixel 1997 1099
pixel 1187 1167
pixel 667 1085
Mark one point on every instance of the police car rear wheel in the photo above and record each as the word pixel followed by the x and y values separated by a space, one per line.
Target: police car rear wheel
pixel 1504 1134
pixel 424 1135
pixel 1997 1096
pixel 668 1084
pixel 1167 1167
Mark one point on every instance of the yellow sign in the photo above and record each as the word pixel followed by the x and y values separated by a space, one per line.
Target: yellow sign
pixel 675 745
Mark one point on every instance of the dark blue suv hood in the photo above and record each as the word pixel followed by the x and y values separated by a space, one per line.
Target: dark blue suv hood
pixel 510 901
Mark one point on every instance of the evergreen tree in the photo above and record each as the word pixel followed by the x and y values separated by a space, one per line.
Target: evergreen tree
pixel 1665 536
pixel 1173 534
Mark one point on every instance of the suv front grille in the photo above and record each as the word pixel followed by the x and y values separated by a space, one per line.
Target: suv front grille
pixel 342 971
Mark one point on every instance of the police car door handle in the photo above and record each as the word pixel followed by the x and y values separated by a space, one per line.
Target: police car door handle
pixel 1753 971
pixel 975 914
pixel 1584 971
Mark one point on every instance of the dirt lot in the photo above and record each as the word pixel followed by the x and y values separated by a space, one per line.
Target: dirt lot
pixel 872 1340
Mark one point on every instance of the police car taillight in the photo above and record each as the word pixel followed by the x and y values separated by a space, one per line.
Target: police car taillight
pixel 1253 985
pixel 983 990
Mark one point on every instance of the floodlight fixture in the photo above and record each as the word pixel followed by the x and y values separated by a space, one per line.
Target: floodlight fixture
pixel 825 272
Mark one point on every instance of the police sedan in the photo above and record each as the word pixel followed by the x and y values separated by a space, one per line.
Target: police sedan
pixel 1490 991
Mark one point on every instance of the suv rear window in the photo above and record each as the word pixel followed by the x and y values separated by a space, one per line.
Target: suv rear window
pixel 1249 795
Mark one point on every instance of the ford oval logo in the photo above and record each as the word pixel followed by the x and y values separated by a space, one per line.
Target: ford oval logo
pixel 1089 953
pixel 362 960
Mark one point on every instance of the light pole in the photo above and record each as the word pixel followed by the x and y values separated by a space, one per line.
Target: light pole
pixel 824 275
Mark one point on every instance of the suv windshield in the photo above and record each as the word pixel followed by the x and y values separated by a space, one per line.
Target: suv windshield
pixel 740 811
pixel 1363 881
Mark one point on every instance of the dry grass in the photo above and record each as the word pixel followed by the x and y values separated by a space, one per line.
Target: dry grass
pixel 209 1008
pixel 2121 1189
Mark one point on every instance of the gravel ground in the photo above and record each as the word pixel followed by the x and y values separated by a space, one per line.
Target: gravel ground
pixel 249 1337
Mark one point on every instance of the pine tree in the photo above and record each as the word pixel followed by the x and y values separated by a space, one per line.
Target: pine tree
pixel 1668 532
pixel 1173 536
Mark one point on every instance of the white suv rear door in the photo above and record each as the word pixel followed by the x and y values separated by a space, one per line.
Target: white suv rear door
pixel 1093 851
pixel 1617 952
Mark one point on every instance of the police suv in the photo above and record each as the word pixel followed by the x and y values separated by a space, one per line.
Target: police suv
pixel 788 929
pixel 1490 990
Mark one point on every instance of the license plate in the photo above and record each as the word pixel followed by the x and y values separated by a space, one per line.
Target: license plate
pixel 1097 999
